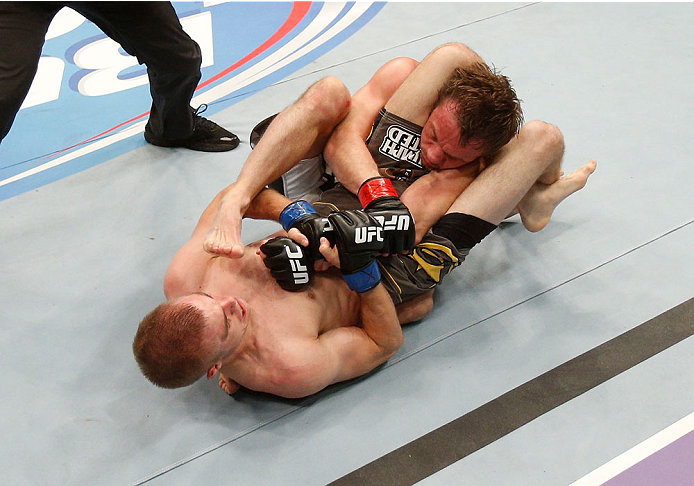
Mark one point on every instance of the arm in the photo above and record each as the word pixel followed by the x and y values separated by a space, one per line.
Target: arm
pixel 417 96
pixel 299 131
pixel 439 188
pixel 406 88
pixel 353 351
pixel 346 152
pixel 346 352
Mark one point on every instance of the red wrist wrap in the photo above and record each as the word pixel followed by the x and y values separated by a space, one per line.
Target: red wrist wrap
pixel 375 188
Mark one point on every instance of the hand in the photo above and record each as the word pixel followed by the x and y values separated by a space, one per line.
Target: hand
pixel 330 254
pixel 289 264
pixel 380 199
pixel 301 216
pixel 227 384
pixel 320 264
pixel 359 239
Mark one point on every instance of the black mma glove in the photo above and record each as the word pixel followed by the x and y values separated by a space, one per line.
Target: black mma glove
pixel 379 198
pixel 302 216
pixel 359 239
pixel 289 263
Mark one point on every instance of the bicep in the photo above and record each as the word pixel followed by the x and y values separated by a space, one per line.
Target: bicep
pixel 335 356
pixel 345 353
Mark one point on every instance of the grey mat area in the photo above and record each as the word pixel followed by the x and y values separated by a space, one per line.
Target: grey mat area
pixel 83 260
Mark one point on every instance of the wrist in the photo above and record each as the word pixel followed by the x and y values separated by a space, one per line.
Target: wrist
pixel 294 212
pixel 365 279
pixel 374 189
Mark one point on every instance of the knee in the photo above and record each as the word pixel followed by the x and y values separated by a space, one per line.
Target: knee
pixel 191 57
pixel 427 306
pixel 457 53
pixel 328 100
pixel 542 137
pixel 416 308
pixel 402 66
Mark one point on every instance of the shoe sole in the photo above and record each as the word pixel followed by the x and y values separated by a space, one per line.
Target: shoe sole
pixel 212 147
pixel 200 147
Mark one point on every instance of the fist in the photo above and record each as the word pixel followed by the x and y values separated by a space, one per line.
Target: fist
pixel 380 199
pixel 290 264
pixel 302 216
pixel 359 239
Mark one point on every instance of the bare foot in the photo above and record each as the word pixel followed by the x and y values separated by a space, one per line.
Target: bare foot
pixel 538 204
pixel 227 384
pixel 224 238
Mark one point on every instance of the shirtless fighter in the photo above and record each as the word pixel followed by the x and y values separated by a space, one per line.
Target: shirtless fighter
pixel 230 316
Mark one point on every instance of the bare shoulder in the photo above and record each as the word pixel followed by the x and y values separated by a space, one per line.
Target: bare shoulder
pixel 185 270
pixel 295 370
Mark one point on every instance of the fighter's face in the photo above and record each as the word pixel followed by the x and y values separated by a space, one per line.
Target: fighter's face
pixel 224 316
pixel 440 143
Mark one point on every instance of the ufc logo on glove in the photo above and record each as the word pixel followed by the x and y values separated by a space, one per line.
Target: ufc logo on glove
pixel 299 271
pixel 395 222
pixel 368 234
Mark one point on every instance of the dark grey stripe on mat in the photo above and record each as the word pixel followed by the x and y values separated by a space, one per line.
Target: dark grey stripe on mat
pixel 493 420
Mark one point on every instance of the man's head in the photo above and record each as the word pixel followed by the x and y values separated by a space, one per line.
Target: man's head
pixel 189 337
pixel 477 113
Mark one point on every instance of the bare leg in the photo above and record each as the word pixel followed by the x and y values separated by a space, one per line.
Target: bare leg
pixel 298 132
pixel 533 156
pixel 417 96
pixel 416 308
pixel 538 204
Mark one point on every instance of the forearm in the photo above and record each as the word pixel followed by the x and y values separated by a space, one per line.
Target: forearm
pixel 380 320
pixel 439 189
pixel 268 204
pixel 346 151
pixel 348 156
pixel 283 144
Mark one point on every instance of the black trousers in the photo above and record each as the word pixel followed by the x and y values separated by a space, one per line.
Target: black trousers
pixel 149 31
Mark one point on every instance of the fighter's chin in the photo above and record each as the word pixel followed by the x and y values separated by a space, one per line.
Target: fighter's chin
pixel 425 162
pixel 429 166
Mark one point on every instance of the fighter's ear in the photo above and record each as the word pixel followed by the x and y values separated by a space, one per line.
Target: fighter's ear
pixel 213 370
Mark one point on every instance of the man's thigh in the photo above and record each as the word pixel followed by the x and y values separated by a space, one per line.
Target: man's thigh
pixel 421 270
pixel 23 26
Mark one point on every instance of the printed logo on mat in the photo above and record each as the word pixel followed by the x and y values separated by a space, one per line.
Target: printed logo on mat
pixel 89 95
